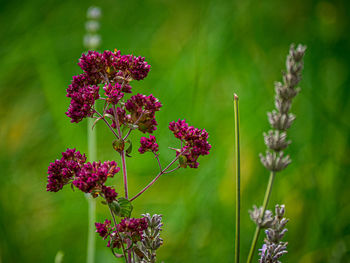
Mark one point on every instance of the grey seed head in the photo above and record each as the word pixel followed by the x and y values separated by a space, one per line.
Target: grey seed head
pixel 280 121
pixel 256 216
pixel 92 41
pixel 93 12
pixel 275 162
pixel 92 26
pixel 276 140
pixel 279 210
pixel 151 238
pixel 298 53
pixel 283 106
pixel 284 92
pixel 272 252
pixel 291 80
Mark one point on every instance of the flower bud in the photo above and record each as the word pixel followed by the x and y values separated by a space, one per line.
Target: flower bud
pixel 183 161
pixel 118 145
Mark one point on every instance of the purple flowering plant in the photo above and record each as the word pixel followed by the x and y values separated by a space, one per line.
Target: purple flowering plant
pixel 106 78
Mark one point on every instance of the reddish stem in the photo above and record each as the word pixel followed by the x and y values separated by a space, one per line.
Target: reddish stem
pixel 116 228
pixel 157 157
pixel 122 154
pixel 157 177
pixel 109 126
pixel 125 175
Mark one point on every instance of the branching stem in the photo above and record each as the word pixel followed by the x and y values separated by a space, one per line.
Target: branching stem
pixel 158 161
pixel 158 176
pixel 109 126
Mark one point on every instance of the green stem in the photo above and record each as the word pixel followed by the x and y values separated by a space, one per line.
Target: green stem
pixel 257 230
pixel 91 201
pixel 238 180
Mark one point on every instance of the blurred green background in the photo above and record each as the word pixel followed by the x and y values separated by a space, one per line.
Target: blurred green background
pixel 201 52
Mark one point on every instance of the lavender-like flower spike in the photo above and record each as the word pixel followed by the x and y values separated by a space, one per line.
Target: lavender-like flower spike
pixel 145 251
pixel 271 254
pixel 274 248
pixel 280 119
pixel 92 40
pixel 256 215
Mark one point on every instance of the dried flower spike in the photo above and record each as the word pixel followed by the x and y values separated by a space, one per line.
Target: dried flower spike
pixel 256 215
pixel 276 141
pixel 280 119
pixel 146 250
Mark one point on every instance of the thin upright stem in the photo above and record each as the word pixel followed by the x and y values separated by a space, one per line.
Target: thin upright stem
pixel 91 134
pixel 91 232
pixel 116 228
pixel 122 153
pixel 257 230
pixel 238 180
pixel 117 122
pixel 157 177
pixel 129 252
pixel 125 175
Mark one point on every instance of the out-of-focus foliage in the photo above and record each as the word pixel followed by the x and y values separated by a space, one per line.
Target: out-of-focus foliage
pixel 201 52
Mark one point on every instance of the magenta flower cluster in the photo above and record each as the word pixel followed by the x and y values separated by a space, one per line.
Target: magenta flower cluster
pixel 113 70
pixel 88 177
pixel 134 227
pixel 143 109
pixel 113 92
pixel 136 67
pixel 148 144
pixel 92 178
pixel 83 97
pixel 103 229
pixel 195 141
pixel 130 228
pixel 111 64
pixel 60 172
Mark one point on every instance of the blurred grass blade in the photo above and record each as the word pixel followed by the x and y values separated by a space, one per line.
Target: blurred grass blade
pixel 59 257
pixel 238 179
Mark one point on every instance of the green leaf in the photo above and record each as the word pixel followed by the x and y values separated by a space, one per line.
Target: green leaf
pixel 129 149
pixel 115 207
pixel 95 122
pixel 125 207
pixel 132 126
pixel 122 207
pixel 109 116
